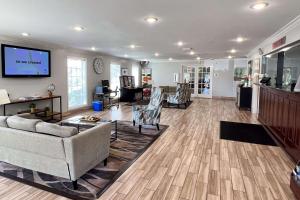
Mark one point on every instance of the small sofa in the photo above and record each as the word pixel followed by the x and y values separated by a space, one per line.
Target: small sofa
pixel 167 91
pixel 52 149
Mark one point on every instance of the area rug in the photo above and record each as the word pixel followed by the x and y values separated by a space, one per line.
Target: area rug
pixel 123 152
pixel 243 132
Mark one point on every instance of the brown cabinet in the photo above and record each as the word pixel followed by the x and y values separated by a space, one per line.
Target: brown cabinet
pixel 279 111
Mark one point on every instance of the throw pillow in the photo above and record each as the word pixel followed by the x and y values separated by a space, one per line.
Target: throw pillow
pixel 56 130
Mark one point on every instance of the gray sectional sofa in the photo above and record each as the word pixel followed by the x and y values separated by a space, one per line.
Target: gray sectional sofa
pixel 53 149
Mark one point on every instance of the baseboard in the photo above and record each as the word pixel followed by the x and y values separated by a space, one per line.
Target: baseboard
pixel 224 98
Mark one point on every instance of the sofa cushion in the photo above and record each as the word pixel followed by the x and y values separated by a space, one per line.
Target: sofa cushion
pixel 3 122
pixel 54 129
pixel 21 123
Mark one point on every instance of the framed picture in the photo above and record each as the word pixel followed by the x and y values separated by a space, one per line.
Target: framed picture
pixel 124 71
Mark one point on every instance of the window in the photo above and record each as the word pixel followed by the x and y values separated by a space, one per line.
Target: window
pixel 136 74
pixel 77 86
pixel 115 73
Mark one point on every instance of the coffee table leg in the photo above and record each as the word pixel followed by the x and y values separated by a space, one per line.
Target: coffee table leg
pixel 116 130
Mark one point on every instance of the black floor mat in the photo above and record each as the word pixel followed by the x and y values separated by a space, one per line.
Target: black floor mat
pixel 242 132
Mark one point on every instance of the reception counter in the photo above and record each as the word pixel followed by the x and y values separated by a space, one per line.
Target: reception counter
pixel 279 112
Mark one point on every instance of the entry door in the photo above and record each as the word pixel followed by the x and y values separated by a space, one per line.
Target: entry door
pixel 199 79
pixel 204 83
pixel 189 76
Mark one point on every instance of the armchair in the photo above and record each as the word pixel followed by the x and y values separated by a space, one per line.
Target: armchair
pixel 181 96
pixel 188 92
pixel 149 114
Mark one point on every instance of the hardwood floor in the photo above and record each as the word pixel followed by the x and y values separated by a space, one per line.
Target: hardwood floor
pixel 190 162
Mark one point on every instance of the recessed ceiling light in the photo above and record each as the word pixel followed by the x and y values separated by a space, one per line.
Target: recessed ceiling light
pixel 25 34
pixel 151 20
pixel 232 51
pixel 93 48
pixel 192 53
pixel 170 59
pixel 180 43
pixel 259 5
pixel 229 57
pixel 78 28
pixel 125 55
pixel 156 54
pixel 269 56
pixel 198 58
pixel 132 46
pixel 240 39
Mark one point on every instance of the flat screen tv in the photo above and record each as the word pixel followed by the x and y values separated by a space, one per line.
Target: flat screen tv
pixel 25 62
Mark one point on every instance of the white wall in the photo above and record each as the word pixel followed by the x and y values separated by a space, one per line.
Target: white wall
pixel 223 71
pixel 291 31
pixel 163 72
pixel 223 82
pixel 19 87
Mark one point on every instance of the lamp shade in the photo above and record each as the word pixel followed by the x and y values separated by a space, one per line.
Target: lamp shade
pixel 297 86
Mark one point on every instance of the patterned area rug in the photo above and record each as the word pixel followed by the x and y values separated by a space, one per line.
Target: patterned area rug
pixel 123 152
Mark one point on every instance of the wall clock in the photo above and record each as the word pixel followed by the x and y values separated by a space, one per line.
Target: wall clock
pixel 98 65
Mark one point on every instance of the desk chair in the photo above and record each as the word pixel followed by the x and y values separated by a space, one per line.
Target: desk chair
pixel 102 95
pixel 112 97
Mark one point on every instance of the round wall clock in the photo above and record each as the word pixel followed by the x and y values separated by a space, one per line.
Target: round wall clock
pixel 98 65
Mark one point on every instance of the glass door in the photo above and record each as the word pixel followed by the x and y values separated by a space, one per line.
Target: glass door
pixel 204 81
pixel 199 79
pixel 189 76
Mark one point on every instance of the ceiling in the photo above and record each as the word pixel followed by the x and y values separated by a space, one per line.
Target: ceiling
pixel 112 25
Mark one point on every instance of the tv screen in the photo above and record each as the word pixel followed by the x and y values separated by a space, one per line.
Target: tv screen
pixel 25 62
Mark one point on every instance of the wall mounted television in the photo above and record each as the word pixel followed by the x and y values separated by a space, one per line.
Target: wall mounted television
pixel 25 62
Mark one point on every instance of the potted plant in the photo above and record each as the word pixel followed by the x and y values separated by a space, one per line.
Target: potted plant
pixel 47 111
pixel 32 107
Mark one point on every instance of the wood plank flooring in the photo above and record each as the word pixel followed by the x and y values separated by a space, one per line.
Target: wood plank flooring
pixel 190 162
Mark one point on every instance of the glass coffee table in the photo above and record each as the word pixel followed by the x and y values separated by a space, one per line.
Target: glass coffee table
pixel 80 124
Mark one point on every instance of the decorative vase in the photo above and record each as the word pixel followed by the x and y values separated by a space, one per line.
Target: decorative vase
pixel 50 94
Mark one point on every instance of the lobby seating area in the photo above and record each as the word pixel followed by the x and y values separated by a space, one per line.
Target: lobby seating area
pixel 27 143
